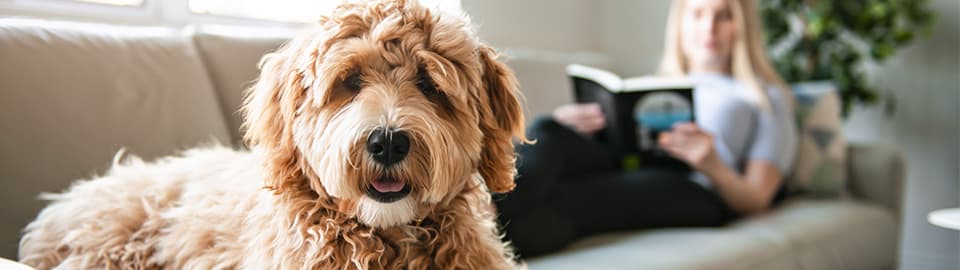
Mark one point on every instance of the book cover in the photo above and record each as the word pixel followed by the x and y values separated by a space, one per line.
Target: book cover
pixel 637 110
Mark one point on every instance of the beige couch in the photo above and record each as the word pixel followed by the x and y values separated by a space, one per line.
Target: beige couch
pixel 73 94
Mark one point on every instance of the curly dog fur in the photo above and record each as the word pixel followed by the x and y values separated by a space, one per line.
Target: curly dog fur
pixel 300 198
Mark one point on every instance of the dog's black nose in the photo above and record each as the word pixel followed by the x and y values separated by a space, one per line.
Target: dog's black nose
pixel 388 147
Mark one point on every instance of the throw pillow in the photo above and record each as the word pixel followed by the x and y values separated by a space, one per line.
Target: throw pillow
pixel 820 166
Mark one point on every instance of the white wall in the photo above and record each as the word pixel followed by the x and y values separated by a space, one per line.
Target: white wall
pixel 627 35
pixel 633 34
pixel 560 25
pixel 540 40
pixel 925 79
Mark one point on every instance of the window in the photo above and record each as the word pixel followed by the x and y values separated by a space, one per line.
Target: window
pixel 287 10
pixel 283 13
pixel 275 10
pixel 132 3
pixel 124 11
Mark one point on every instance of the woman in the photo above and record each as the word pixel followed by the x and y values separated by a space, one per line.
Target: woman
pixel 740 148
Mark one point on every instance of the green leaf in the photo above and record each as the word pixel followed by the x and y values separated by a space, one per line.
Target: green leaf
pixel 879 27
pixel 902 36
pixel 879 10
pixel 816 27
pixel 881 51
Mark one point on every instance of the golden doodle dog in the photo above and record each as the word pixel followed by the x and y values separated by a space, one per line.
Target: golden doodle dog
pixel 374 144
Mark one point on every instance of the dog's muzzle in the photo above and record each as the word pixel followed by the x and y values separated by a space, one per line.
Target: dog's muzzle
pixel 388 147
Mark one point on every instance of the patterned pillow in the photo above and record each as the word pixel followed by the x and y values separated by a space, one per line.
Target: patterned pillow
pixel 820 166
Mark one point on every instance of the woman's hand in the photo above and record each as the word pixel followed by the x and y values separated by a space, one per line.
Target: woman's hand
pixel 748 193
pixel 687 142
pixel 584 118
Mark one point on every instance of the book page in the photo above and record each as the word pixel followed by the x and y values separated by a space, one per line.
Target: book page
pixel 655 83
pixel 604 78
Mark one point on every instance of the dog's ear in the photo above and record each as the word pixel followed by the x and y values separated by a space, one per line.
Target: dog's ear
pixel 269 109
pixel 501 120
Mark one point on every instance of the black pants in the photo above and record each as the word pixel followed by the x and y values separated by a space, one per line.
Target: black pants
pixel 569 186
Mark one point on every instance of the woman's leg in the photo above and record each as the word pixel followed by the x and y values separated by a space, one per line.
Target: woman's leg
pixel 639 199
pixel 558 153
pixel 613 201
pixel 524 213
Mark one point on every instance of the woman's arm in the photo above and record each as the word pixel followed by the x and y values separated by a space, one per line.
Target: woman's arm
pixel 746 194
pixel 749 193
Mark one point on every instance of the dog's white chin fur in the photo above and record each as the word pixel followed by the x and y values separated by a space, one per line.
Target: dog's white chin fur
pixel 383 215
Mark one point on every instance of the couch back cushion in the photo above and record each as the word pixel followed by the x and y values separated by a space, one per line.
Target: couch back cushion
pixel 231 55
pixel 74 94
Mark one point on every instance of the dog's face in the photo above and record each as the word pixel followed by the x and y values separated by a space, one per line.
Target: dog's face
pixel 388 109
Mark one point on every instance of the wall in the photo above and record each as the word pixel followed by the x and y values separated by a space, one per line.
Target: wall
pixel 539 40
pixel 627 36
pixel 633 33
pixel 566 25
pixel 925 81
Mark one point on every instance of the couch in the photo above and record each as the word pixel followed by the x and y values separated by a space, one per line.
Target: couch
pixel 73 94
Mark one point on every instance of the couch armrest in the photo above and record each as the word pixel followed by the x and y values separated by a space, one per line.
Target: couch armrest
pixel 876 174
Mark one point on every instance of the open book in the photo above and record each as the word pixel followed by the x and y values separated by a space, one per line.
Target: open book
pixel 637 109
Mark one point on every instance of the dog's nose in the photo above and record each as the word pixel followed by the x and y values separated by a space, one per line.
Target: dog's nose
pixel 388 147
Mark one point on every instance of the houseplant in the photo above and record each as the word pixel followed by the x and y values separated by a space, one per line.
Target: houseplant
pixel 833 39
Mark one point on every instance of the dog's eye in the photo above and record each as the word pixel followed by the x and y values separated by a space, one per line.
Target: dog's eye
pixel 426 85
pixel 353 82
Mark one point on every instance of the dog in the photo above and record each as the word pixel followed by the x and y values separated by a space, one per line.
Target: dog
pixel 374 142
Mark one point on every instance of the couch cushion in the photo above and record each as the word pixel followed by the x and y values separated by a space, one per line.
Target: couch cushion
pixel 663 249
pixel 74 94
pixel 820 167
pixel 231 55
pixel 802 234
pixel 832 234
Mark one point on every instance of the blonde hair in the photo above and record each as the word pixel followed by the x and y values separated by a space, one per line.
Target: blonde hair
pixel 749 63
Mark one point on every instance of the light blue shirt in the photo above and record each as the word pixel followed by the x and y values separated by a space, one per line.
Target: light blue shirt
pixel 742 130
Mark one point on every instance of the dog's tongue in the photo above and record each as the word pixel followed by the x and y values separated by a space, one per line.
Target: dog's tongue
pixel 384 185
